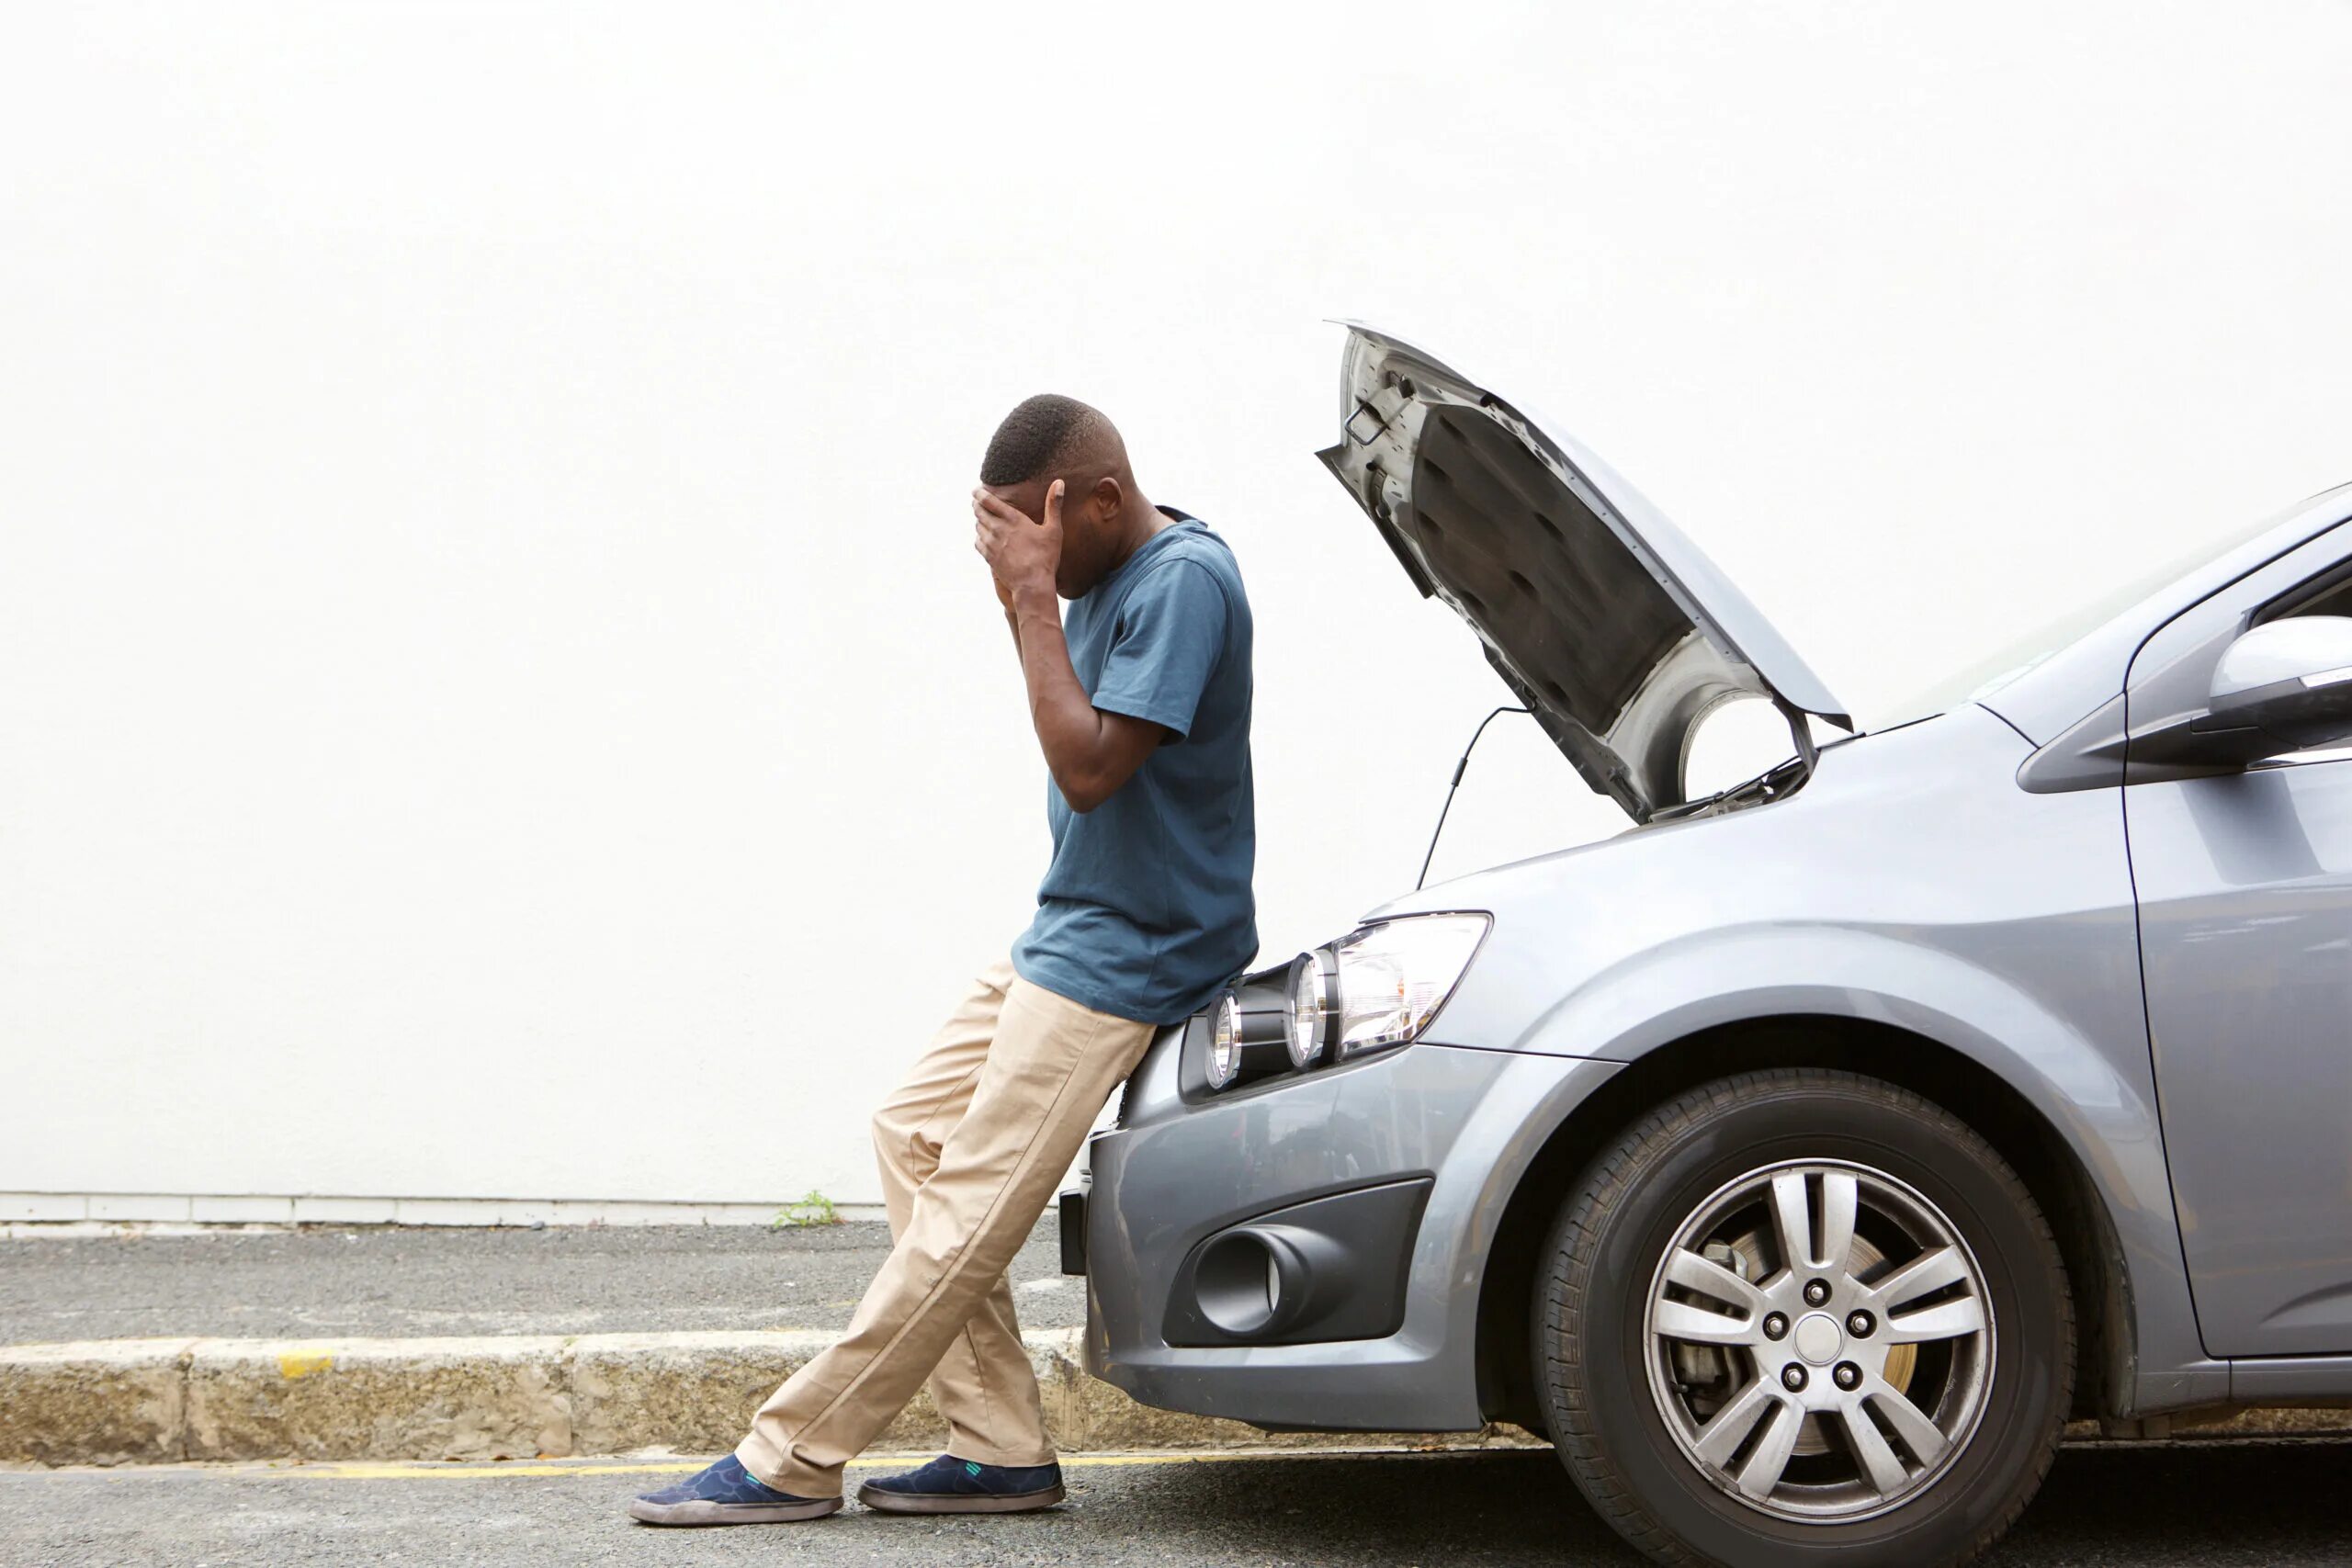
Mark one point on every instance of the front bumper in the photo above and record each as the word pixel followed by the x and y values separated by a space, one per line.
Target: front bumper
pixel 1463 1123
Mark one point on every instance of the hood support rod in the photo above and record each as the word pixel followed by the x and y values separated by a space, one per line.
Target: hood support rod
pixel 1460 768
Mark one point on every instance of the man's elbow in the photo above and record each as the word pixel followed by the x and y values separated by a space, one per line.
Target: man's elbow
pixel 1093 777
pixel 1087 786
pixel 1083 794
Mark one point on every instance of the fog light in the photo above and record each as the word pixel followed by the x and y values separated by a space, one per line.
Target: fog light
pixel 1239 1284
pixel 1258 1279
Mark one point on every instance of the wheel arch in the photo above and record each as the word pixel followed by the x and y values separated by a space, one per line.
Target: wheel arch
pixel 2043 1157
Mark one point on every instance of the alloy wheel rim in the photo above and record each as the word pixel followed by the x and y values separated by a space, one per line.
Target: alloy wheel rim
pixel 1819 1340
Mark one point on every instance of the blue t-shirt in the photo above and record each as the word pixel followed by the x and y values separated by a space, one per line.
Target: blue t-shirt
pixel 1145 910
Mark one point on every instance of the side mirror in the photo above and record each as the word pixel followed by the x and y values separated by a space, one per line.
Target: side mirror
pixel 2285 687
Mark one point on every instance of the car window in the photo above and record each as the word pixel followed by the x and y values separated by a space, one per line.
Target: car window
pixel 2171 674
pixel 2329 595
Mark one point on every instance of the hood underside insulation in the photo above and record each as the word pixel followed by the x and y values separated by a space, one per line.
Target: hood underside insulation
pixel 1543 577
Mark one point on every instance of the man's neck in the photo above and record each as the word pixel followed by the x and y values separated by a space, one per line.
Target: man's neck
pixel 1139 520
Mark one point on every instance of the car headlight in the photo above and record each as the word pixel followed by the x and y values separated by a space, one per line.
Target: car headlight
pixel 1392 977
pixel 1314 1006
pixel 1375 989
pixel 1225 1040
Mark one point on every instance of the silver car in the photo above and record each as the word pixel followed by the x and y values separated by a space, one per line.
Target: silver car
pixel 1799 1159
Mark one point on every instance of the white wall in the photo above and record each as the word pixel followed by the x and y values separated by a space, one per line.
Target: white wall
pixel 495 694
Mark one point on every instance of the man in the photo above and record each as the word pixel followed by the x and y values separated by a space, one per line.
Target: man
pixel 1140 701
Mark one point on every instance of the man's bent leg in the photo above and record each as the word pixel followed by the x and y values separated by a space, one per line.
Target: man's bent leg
pixel 983 1387
pixel 1050 1069
pixel 913 1124
pixel 908 1131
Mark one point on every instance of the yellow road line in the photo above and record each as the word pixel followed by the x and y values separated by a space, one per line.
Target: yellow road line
pixel 494 1469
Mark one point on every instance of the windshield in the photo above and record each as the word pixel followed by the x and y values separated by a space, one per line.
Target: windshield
pixel 1983 677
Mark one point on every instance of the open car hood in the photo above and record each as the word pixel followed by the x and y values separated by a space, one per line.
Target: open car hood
pixel 1616 631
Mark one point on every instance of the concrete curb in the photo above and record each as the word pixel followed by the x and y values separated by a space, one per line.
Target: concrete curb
pixel 159 1400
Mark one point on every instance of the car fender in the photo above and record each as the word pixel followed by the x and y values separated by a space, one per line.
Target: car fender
pixel 2106 1119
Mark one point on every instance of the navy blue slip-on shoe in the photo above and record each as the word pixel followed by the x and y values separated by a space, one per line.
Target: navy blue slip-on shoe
pixel 727 1494
pixel 951 1486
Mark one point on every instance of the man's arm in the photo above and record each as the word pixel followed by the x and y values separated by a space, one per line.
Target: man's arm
pixel 1012 621
pixel 1090 753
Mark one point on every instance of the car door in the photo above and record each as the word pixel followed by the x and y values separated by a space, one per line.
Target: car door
pixel 2244 889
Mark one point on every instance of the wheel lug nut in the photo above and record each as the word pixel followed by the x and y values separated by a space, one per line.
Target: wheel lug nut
pixel 1776 1326
pixel 1847 1375
pixel 1859 1324
pixel 1792 1377
pixel 1816 1291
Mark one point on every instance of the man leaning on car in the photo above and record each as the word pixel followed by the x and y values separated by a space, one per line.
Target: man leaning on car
pixel 1140 700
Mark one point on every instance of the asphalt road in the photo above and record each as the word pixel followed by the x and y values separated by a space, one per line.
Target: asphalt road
pixel 404 1281
pixel 2213 1504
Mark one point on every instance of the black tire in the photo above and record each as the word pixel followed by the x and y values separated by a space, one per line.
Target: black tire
pixel 1626 1210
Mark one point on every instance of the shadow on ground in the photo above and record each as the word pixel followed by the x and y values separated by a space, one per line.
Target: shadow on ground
pixel 2253 1504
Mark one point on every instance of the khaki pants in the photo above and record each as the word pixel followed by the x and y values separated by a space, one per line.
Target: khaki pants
pixel 971 1146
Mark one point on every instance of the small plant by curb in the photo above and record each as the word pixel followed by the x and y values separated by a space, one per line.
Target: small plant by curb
pixel 813 1209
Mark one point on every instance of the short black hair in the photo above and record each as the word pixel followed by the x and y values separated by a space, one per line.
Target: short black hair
pixel 1036 434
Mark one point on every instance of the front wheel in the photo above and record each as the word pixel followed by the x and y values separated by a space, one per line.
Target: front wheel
pixel 1802 1317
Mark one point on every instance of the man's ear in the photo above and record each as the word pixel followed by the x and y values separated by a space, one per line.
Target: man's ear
pixel 1106 497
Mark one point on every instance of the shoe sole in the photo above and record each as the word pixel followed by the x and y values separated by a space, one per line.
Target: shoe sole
pixel 883 1502
pixel 697 1511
